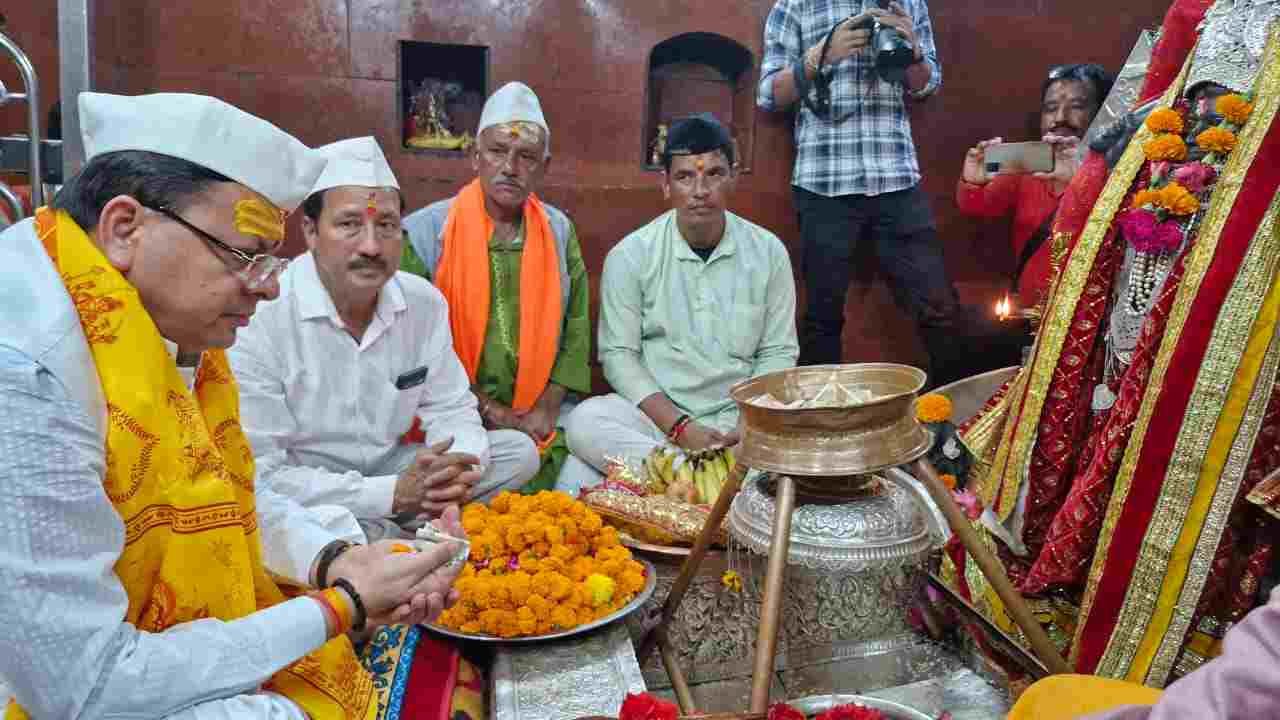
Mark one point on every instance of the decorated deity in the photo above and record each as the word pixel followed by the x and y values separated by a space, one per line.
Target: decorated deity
pixel 431 126
pixel 1115 471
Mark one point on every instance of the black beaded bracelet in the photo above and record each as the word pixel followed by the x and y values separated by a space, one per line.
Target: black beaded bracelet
pixel 328 554
pixel 361 616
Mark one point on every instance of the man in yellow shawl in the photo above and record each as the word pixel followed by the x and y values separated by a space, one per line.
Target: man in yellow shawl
pixel 139 562
pixel 511 268
pixel 1118 473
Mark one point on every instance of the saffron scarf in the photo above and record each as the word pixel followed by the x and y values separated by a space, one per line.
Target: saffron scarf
pixel 180 473
pixel 463 278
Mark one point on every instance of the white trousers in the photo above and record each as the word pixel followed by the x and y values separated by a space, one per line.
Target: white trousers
pixel 603 427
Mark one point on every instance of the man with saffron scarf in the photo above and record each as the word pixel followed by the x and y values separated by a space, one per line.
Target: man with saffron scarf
pixel 138 558
pixel 511 268
pixel 353 355
pixel 1119 471
pixel 693 303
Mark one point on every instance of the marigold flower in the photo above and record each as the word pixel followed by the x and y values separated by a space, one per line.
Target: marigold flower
pixel 601 588
pixel 731 580
pixel 1143 198
pixel 500 504
pixel 581 568
pixel 933 408
pixel 564 618
pixel 590 523
pixel 949 480
pixel 1165 147
pixel 1217 140
pixel 1177 200
pixel 1165 120
pixel 630 582
pixel 1234 108
pixel 554 534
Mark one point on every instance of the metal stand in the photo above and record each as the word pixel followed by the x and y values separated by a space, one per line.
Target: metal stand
pixel 767 633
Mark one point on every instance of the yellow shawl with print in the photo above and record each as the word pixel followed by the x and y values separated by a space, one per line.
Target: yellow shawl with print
pixel 179 471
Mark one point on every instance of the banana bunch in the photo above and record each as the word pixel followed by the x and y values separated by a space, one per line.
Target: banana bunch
pixel 710 470
pixel 659 468
pixel 694 478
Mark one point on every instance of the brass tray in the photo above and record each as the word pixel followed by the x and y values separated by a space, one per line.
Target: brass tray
pixel 856 439
pixel 650 583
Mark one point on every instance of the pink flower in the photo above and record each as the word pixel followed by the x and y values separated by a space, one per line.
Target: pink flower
pixel 1138 225
pixel 1165 238
pixel 1195 176
pixel 1158 169
pixel 967 500
pixel 513 563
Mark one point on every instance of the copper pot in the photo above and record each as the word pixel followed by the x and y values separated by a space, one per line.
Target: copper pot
pixel 860 438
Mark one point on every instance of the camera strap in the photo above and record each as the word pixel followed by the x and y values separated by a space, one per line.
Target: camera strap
pixel 821 86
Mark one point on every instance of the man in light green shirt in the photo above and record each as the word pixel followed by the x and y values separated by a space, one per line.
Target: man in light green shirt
pixel 690 305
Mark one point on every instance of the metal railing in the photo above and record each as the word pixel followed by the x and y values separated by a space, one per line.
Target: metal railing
pixel 32 98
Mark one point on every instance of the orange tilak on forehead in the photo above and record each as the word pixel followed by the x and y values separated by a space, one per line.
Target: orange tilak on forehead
pixel 700 164
pixel 255 215
pixel 371 208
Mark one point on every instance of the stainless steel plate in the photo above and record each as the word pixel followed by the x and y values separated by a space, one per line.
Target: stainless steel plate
pixel 650 582
pixel 815 704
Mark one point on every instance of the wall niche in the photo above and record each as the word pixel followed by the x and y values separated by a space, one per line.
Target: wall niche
pixel 442 91
pixel 699 72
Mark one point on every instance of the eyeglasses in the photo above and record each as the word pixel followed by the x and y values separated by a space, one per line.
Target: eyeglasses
pixel 255 270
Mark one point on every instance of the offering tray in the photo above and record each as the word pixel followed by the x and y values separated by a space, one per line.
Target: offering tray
pixel 650 582
pixel 857 438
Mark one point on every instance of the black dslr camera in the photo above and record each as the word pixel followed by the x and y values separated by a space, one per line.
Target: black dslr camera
pixel 893 53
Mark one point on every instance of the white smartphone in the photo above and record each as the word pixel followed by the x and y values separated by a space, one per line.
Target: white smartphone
pixel 1018 158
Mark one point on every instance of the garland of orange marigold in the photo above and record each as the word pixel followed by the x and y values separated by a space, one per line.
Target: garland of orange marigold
pixel 539 564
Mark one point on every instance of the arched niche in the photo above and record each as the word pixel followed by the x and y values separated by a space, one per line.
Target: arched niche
pixel 700 72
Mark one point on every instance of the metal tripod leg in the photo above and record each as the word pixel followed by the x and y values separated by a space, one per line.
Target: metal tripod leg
pixel 657 636
pixel 767 633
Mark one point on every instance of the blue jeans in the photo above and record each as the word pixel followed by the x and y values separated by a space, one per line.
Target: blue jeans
pixel 905 241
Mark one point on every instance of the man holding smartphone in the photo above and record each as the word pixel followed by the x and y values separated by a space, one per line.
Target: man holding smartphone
pixel 1025 180
pixel 856 175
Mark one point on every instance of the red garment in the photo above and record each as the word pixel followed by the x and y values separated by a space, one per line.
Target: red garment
pixel 1031 200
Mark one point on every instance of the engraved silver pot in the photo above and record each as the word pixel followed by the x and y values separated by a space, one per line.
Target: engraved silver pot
pixel 855 569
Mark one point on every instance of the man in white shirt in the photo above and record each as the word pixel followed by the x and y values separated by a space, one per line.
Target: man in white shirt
pixel 135 545
pixel 353 356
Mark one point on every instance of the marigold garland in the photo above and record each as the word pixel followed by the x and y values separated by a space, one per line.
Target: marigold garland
pixel 1165 147
pixel 1217 140
pixel 1177 199
pixel 1234 108
pixel 948 480
pixel 933 408
pixel 539 564
pixel 1164 120
pixel 1142 198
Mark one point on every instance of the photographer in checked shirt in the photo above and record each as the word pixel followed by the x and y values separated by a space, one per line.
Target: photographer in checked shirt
pixel 850 66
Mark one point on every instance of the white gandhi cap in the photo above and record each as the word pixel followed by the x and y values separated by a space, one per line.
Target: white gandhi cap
pixel 355 161
pixel 513 102
pixel 207 132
